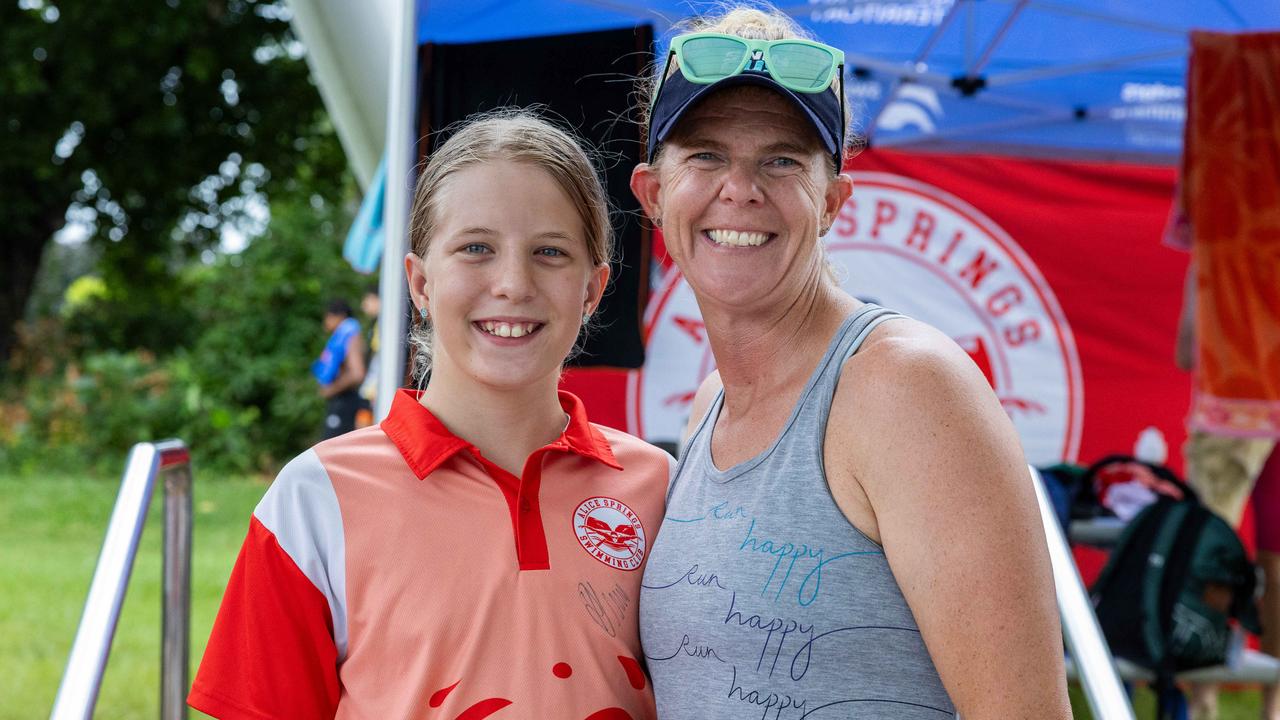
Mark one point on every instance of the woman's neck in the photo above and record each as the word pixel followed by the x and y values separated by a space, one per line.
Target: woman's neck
pixel 764 354
pixel 506 425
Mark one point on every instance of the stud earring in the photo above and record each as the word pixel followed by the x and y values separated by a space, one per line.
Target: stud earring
pixel 586 318
pixel 657 222
pixel 425 314
pixel 825 230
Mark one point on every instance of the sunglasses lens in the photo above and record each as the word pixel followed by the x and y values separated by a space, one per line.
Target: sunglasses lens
pixel 711 58
pixel 802 67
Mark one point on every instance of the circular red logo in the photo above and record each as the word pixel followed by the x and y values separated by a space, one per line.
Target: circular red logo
pixel 610 532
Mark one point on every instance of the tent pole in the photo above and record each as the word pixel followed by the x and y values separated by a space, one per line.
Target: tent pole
pixel 1117 20
pixel 977 67
pixel 920 57
pixel 391 284
pixel 962 130
pixel 1023 76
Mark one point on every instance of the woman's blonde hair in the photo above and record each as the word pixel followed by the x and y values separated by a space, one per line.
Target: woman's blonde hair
pixel 758 21
pixel 520 135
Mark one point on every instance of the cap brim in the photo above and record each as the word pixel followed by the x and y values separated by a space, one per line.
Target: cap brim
pixel 830 143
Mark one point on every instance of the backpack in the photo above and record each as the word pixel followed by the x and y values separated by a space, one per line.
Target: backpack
pixel 1150 597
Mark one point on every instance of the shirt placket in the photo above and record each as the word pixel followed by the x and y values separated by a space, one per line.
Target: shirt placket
pixel 522 496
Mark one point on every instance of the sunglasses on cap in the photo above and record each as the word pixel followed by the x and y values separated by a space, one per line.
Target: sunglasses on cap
pixel 802 70
pixel 798 65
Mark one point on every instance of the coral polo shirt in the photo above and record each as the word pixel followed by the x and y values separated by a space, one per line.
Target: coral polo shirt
pixel 395 572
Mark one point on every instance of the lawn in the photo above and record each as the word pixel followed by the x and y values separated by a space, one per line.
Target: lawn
pixel 50 533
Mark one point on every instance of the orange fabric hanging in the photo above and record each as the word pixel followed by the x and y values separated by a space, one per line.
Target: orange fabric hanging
pixel 1231 191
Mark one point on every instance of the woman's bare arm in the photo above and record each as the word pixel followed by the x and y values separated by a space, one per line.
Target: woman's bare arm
pixel 939 465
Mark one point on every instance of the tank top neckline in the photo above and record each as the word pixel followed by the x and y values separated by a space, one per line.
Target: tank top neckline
pixel 708 424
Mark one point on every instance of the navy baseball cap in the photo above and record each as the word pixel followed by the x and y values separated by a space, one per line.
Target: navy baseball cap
pixel 677 96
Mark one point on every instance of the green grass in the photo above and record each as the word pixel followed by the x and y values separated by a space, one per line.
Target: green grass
pixel 1237 704
pixel 50 532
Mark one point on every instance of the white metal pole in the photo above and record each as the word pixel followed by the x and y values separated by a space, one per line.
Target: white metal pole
pixel 78 692
pixel 391 285
pixel 1089 651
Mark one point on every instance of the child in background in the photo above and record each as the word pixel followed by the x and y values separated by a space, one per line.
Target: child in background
pixel 371 306
pixel 340 369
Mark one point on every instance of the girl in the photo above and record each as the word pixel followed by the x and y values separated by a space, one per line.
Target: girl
pixel 482 547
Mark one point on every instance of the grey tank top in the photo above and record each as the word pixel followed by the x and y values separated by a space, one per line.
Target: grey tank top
pixel 761 600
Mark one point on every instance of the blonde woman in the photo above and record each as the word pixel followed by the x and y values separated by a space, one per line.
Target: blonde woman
pixel 851 531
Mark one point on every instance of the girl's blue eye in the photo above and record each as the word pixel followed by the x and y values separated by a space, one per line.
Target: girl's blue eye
pixel 474 248
pixel 551 252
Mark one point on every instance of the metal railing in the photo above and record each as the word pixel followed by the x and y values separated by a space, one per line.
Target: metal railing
pixel 78 693
pixel 1088 648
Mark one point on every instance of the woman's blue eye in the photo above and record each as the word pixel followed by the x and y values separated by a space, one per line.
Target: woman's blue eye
pixel 551 252
pixel 474 248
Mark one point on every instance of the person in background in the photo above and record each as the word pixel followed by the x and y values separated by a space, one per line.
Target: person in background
pixel 371 306
pixel 852 530
pixel 340 369
pixel 479 552
pixel 1227 472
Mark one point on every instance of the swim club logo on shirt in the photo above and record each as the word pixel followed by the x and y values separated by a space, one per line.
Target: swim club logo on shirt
pixel 921 251
pixel 610 532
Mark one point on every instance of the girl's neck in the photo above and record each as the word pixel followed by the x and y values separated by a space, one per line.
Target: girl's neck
pixel 505 424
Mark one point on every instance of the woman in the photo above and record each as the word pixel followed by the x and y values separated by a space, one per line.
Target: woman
pixel 482 548
pixel 851 531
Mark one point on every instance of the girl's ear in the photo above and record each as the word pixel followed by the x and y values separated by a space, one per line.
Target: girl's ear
pixel 595 288
pixel 415 272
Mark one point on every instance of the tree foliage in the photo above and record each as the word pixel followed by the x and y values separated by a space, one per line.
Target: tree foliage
pixel 259 315
pixel 148 123
pixel 156 126
pixel 240 393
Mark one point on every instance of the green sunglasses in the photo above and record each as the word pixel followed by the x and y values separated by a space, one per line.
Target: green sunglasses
pixel 798 65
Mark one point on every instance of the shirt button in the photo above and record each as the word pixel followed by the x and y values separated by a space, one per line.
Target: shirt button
pixel 525 506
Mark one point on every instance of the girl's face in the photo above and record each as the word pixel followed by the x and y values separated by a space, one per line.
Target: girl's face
pixel 507 276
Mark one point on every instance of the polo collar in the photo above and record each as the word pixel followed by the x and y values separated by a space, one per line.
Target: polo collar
pixel 426 443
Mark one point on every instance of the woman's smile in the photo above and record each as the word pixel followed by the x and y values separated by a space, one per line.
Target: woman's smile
pixel 738 238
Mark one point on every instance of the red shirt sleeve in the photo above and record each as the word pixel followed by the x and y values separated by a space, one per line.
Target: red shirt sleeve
pixel 272 652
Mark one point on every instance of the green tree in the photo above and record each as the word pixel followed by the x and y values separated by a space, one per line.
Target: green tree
pixel 240 393
pixel 148 123
pixel 253 400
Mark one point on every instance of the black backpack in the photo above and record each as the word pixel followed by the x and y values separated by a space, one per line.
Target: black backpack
pixel 1149 598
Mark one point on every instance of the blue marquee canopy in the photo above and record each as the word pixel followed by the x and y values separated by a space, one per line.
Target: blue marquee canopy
pixel 1100 79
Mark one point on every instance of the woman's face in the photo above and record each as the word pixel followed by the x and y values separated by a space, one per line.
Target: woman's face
pixel 507 276
pixel 743 188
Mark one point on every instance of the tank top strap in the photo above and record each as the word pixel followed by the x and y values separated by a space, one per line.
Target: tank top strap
pixel 810 427
pixel 812 407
